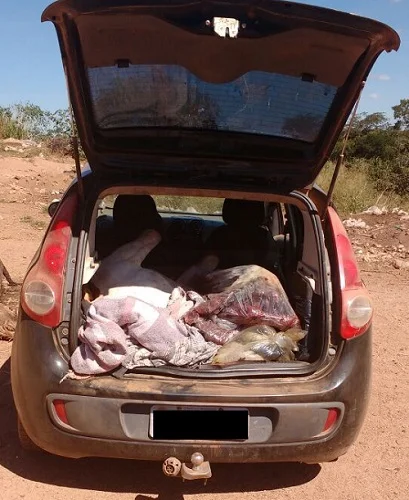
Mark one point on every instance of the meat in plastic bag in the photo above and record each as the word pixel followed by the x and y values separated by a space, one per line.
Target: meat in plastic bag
pixel 260 343
pixel 243 296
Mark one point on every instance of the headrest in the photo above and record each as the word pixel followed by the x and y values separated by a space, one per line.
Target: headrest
pixel 244 213
pixel 135 213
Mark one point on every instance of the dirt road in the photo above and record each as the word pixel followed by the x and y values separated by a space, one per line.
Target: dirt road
pixel 376 468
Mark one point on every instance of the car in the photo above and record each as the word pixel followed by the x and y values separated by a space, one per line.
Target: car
pixel 208 122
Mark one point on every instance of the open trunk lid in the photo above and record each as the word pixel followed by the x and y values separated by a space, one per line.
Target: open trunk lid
pixel 256 91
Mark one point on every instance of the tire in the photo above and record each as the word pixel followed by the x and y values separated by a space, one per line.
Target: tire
pixel 25 441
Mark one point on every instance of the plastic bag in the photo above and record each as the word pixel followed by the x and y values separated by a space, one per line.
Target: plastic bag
pixel 260 343
pixel 243 296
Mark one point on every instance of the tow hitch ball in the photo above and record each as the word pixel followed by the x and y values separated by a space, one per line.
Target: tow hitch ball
pixel 197 469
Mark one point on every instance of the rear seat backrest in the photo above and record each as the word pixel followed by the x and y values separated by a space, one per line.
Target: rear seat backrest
pixel 132 214
pixel 243 240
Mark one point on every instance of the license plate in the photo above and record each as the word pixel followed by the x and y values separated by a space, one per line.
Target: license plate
pixel 199 423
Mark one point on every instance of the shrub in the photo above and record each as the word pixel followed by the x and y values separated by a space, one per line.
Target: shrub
pixel 391 175
pixel 356 190
pixel 59 145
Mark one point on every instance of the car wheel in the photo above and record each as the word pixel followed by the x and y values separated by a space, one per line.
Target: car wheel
pixel 25 441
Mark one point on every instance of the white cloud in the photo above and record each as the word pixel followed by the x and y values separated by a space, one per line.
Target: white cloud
pixel 383 77
pixel 395 1
pixel 374 95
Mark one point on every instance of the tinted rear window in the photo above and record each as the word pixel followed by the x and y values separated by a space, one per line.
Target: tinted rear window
pixel 170 96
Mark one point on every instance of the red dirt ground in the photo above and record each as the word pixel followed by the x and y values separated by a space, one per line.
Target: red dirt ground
pixel 376 468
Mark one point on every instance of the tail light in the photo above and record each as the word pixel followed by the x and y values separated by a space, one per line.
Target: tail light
pixel 41 294
pixel 356 309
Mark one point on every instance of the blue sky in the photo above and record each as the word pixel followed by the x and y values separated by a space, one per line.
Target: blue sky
pixel 31 67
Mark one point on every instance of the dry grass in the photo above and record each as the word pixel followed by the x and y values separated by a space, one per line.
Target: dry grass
pixel 190 204
pixel 36 224
pixel 354 192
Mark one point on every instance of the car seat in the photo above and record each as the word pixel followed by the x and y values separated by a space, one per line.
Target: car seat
pixel 243 239
pixel 132 214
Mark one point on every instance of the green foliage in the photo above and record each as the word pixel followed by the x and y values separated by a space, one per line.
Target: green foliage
pixel 9 127
pixel 29 121
pixel 382 147
pixel 383 144
pixel 401 114
pixel 355 189
pixel 371 136
pixel 365 123
pixel 391 175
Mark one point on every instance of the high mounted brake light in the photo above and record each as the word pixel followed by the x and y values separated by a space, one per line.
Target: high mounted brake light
pixel 41 294
pixel 356 306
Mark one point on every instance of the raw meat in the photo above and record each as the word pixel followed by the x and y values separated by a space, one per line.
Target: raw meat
pixel 241 296
pixel 120 274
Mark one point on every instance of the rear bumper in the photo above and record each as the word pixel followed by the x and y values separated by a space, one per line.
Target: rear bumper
pixel 110 418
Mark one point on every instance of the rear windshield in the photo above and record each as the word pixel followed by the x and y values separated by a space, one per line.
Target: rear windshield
pixel 169 96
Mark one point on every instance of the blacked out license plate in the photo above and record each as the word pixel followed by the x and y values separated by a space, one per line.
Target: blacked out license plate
pixel 199 423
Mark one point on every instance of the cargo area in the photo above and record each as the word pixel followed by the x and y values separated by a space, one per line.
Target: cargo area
pixel 221 287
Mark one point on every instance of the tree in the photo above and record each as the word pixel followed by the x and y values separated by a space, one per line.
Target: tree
pixel 384 144
pixel 59 123
pixel 365 123
pixel 29 121
pixel 401 114
pixel 371 136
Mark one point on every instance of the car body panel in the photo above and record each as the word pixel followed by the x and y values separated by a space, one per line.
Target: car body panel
pixel 344 383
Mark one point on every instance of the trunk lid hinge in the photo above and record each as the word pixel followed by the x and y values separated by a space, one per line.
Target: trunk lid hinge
pixel 340 159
